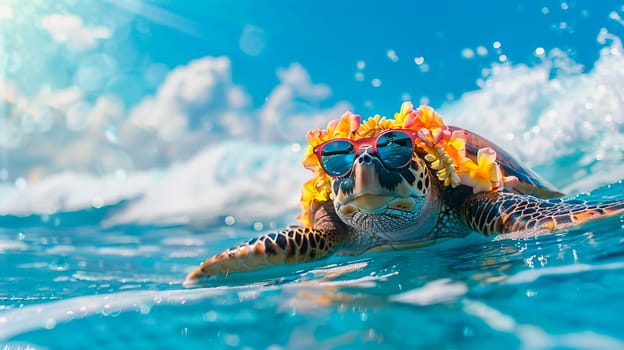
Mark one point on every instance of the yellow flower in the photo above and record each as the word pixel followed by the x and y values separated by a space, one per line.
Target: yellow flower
pixel 482 174
pixel 373 126
pixel 316 189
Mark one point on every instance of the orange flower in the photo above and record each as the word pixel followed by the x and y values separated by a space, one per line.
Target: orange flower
pixel 456 146
pixel 345 127
pixel 405 118
pixel 429 119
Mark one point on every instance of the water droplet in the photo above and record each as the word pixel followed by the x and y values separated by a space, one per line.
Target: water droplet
pixel 253 40
pixel 232 340
pixel 21 236
pixel 361 64
pixel 106 310
pixel 392 56
pixel 467 53
pixel 376 82
pixel 144 309
pixel 50 323
pixel 359 76
pixel 482 50
pixel 210 316
pixel 229 220
pixel 419 60
pixel 258 226
pixel 539 51
pixel 496 45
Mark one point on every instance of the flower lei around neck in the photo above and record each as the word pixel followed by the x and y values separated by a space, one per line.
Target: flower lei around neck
pixel 445 153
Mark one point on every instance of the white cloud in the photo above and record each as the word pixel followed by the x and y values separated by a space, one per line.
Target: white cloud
pixel 71 30
pixel 198 102
pixel 298 79
pixel 61 100
pixel 292 107
pixel 196 105
pixel 61 129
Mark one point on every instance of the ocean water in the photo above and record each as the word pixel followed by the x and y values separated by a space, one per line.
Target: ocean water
pixel 125 162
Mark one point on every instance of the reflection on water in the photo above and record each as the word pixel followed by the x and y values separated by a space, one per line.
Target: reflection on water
pixel 475 290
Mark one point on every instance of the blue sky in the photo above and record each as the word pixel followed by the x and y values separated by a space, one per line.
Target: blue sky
pixel 328 38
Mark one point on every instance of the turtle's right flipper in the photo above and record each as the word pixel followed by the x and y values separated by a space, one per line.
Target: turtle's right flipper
pixel 292 245
pixel 498 212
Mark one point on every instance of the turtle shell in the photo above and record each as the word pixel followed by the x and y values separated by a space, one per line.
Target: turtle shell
pixel 529 182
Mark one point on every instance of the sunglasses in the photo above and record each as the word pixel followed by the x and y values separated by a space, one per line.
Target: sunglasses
pixel 393 147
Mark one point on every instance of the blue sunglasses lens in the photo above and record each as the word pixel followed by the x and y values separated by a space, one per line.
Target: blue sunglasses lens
pixel 395 149
pixel 337 157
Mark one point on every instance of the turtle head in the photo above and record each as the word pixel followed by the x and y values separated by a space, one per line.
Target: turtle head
pixel 398 205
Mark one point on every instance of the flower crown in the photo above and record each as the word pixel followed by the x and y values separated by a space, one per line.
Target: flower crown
pixel 445 152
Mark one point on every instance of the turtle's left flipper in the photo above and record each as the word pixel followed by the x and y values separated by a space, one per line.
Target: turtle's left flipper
pixel 501 212
pixel 292 245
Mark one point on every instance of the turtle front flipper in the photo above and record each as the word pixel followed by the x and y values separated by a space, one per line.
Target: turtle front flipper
pixel 292 245
pixel 501 212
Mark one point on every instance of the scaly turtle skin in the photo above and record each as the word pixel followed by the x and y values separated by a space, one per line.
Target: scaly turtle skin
pixel 377 208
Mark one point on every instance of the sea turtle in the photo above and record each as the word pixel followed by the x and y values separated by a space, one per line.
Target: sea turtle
pixel 403 182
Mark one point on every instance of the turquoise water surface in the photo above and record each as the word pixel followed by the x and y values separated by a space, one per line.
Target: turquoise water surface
pixel 138 138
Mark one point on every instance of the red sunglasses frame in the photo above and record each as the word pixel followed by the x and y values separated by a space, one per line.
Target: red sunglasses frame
pixel 368 141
